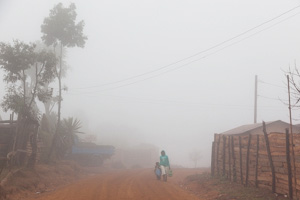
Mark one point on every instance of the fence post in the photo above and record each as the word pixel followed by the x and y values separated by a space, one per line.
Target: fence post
pixel 241 157
pixel 224 155
pixel 247 161
pixel 233 159
pixel 270 158
pixel 256 160
pixel 288 161
pixel 218 149
pixel 213 159
pixel 229 158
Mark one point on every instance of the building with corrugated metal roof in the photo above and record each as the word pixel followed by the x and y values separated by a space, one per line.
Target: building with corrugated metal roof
pixel 257 128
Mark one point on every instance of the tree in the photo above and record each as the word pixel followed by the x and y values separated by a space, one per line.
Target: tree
pixel 195 156
pixel 19 61
pixel 50 103
pixel 68 134
pixel 294 78
pixel 60 28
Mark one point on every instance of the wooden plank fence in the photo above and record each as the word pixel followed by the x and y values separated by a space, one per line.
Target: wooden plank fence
pixel 7 130
pixel 7 141
pixel 261 160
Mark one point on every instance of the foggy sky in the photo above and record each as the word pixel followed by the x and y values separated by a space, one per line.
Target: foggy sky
pixel 180 107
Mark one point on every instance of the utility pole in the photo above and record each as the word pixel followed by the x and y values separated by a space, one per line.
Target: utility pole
pixel 255 100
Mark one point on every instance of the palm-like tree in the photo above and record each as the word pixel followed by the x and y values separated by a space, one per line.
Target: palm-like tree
pixel 68 130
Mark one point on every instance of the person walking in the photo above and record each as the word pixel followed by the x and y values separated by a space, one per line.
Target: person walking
pixel 164 165
pixel 157 171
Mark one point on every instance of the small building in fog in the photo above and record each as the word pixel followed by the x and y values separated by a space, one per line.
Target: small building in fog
pixel 257 128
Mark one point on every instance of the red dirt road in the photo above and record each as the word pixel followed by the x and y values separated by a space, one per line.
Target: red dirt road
pixel 139 184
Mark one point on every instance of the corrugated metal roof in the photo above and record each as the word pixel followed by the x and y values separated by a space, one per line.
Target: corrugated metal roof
pixel 246 128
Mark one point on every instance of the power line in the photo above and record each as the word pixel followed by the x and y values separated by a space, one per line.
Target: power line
pixel 293 93
pixel 174 102
pixel 277 99
pixel 188 63
pixel 272 84
pixel 196 54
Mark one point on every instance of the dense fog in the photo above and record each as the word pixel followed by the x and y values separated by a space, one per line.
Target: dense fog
pixel 169 74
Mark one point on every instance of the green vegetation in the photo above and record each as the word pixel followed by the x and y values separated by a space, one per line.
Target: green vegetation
pixel 60 28
pixel 29 69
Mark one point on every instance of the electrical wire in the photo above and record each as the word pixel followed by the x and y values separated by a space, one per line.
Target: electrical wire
pixel 193 61
pixel 272 84
pixel 196 54
pixel 276 99
pixel 174 102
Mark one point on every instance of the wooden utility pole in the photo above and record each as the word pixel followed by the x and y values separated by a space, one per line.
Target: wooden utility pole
pixel 292 135
pixel 255 100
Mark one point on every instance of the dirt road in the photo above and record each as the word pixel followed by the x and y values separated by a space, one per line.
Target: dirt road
pixel 139 184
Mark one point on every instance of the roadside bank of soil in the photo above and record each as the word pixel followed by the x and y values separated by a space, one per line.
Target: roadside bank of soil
pixel 217 189
pixel 44 178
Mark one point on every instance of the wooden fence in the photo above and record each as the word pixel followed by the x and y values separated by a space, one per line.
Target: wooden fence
pixel 8 136
pixel 263 160
pixel 7 133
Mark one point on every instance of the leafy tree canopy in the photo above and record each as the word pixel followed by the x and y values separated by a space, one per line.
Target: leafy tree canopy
pixel 26 71
pixel 60 26
pixel 16 58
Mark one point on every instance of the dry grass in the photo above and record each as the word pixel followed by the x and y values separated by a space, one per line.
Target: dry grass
pixel 43 178
pixel 219 189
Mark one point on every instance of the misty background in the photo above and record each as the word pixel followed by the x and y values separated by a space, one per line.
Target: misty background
pixel 170 73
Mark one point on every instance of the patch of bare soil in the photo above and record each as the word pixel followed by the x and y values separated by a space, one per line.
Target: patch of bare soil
pixel 216 189
pixel 44 178
pixel 66 180
pixel 129 184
